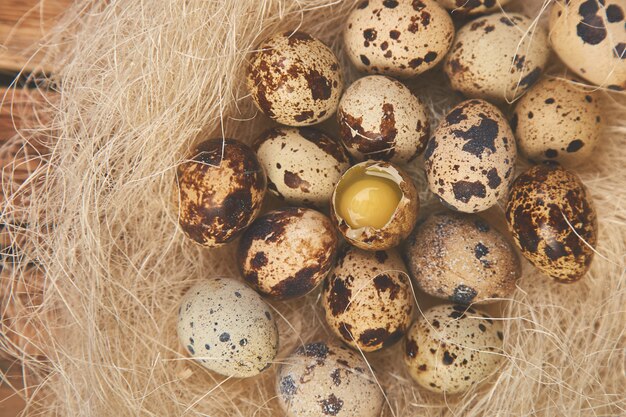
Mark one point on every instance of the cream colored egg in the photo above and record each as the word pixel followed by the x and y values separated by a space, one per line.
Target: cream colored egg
pixel 379 118
pixel 324 379
pixel 470 158
pixel 452 348
pixel 461 258
pixel 557 121
pixel 590 38
pixel 497 57
pixel 303 165
pixel 227 328
pixel 367 299
pixel 398 38
pixel 295 79
pixel 472 7
pixel 287 252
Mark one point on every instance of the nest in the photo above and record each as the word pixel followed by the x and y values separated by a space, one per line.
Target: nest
pixel 101 266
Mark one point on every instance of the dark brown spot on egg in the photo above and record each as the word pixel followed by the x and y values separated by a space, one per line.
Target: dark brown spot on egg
pixel 479 138
pixel 339 296
pixel 493 178
pixel 364 60
pixel 391 4
pixel 411 350
pixel 531 77
pixel 463 294
pixel 374 337
pixel 287 387
pixel 293 180
pixel 591 28
pixel 620 50
pixel 346 331
pixel 614 13
pixel 465 190
pixel 448 359
pixel 259 260
pixel 575 145
pixel 394 34
pixel 305 115
pixel 332 405
pixel 336 376
pixel 301 283
pixel 384 283
pixel 297 37
pixel 320 86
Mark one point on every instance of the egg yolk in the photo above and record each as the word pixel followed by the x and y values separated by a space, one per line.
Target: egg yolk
pixel 368 201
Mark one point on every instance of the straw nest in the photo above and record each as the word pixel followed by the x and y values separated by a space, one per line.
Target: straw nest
pixel 98 264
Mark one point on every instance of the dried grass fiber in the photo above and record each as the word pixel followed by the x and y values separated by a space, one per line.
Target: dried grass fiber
pixel 139 82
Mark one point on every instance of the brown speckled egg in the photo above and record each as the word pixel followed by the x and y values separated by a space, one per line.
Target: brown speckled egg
pixel 220 191
pixel 472 7
pixel 460 257
pixel 367 299
pixel 590 38
pixel 398 38
pixel 400 209
pixel 452 348
pixel 471 156
pixel 557 121
pixel 494 58
pixel 303 165
pixel 295 79
pixel 379 118
pixel 287 252
pixel 324 379
pixel 227 328
pixel 553 221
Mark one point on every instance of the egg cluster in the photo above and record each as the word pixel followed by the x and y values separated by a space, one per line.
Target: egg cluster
pixel 346 210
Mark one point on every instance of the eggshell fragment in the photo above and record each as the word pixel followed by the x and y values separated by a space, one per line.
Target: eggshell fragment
pixel 470 158
pixel 590 38
pixel 461 258
pixel 379 118
pixel 295 79
pixel 553 221
pixel 303 165
pixel 557 121
pixel 397 38
pixel 323 379
pixel 497 57
pixel 287 252
pixel 220 191
pixel 452 348
pixel 367 299
pixel 227 328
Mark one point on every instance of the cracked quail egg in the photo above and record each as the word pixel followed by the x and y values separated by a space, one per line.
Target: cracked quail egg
pixel 220 191
pixel 375 205
pixel 367 299
pixel 324 379
pixel 453 347
pixel 295 79
pixel 227 328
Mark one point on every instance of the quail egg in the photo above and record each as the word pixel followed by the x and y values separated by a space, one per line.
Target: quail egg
pixel 367 299
pixel 471 156
pixel 287 252
pixel 220 191
pixel 295 79
pixel 589 37
pixel 460 257
pixel 497 57
pixel 472 7
pixel 557 121
pixel 303 165
pixel 375 205
pixel 452 348
pixel 398 38
pixel 227 328
pixel 553 221
pixel 379 118
pixel 323 379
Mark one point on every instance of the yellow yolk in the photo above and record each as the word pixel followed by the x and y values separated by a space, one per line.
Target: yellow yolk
pixel 368 200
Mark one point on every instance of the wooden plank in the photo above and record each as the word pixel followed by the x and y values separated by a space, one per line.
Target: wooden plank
pixel 23 23
pixel 11 404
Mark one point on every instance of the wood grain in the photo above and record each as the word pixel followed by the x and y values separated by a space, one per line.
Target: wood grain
pixel 23 23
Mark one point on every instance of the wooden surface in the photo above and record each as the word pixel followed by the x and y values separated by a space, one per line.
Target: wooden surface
pixel 23 23
pixel 10 403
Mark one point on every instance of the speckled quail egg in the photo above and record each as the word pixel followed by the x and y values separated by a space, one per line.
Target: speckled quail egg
pixel 553 221
pixel 227 328
pixel 303 165
pixel 471 156
pixel 557 120
pixel 367 299
pixel 460 257
pixel 452 348
pixel 324 379
pixel 220 191
pixel 497 57
pixel 375 205
pixel 590 38
pixel 472 7
pixel 398 38
pixel 287 252
pixel 379 118
pixel 295 79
